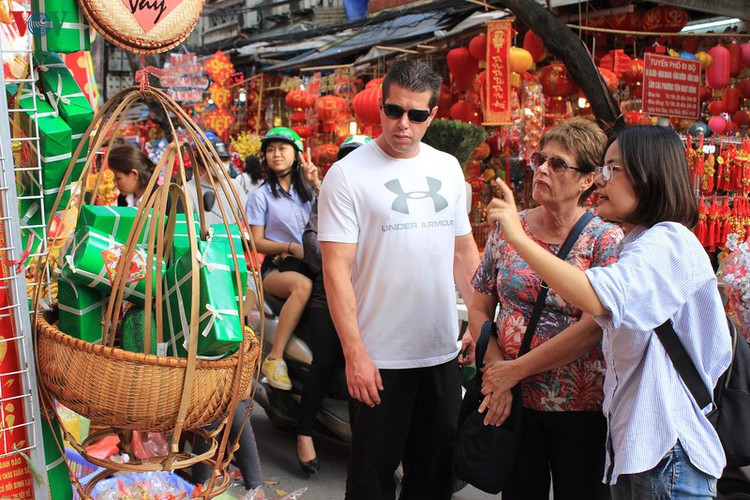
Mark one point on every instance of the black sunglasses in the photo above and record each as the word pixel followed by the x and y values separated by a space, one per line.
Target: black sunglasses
pixel 557 164
pixel 395 112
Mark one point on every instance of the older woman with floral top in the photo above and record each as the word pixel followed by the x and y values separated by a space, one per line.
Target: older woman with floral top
pixel 564 431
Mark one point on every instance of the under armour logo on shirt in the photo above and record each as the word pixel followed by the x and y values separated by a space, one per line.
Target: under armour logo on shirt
pixel 401 203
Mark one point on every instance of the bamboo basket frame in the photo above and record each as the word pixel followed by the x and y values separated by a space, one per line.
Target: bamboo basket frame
pixel 208 390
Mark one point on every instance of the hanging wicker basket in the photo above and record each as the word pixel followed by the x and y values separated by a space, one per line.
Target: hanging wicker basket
pixel 122 391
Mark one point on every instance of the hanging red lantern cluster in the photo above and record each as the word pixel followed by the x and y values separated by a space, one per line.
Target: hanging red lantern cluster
pixel 555 80
pixel 463 67
pixel 298 117
pixel 299 99
pixel 366 105
pixel 665 18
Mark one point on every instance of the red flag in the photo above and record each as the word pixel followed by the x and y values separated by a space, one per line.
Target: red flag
pixel 20 17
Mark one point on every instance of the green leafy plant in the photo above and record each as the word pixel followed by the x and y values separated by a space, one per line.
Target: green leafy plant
pixel 455 137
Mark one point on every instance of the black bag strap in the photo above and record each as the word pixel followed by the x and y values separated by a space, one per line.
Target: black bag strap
pixel 583 221
pixel 683 363
pixel 489 328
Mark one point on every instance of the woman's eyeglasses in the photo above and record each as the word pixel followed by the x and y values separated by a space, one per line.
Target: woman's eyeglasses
pixel 555 163
pixel 395 112
pixel 607 171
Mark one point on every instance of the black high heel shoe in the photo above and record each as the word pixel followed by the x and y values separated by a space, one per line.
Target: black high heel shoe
pixel 310 467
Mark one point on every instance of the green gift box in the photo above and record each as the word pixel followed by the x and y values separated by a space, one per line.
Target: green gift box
pixel 93 259
pixel 68 30
pixel 66 97
pixel 81 310
pixel 219 328
pixel 219 232
pixel 58 477
pixel 117 222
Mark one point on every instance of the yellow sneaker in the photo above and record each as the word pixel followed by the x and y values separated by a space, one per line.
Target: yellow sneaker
pixel 275 372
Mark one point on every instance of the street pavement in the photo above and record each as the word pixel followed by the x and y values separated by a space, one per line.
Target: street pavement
pixel 283 475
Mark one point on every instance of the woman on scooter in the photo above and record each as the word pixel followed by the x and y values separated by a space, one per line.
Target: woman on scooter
pixel 277 212
pixel 326 347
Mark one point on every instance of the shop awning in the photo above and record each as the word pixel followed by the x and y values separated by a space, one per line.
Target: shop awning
pixel 353 41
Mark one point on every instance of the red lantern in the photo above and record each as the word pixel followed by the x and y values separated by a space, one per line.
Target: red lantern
pixel 481 152
pixel 303 131
pixel 730 127
pixel 497 140
pixel 741 118
pixel 328 108
pixel 478 47
pixel 298 118
pixel 375 82
pixel 463 111
pixel 555 80
pixel 690 44
pixel 610 78
pixel 626 22
pixel 299 98
pixel 463 67
pixel 366 105
pixel 705 94
pixel 665 18
pixel 735 58
pixel 634 74
pixel 731 99
pixel 717 74
pixel 716 107
pixel 520 60
pixel 745 54
pixel 534 45
pixel 325 153
pixel 444 102
pixel 717 124
pixel 744 86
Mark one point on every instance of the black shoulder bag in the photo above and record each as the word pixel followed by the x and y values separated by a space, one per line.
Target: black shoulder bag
pixel 731 413
pixel 486 455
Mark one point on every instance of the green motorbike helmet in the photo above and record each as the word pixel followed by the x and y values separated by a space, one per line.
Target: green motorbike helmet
pixel 282 134
pixel 351 143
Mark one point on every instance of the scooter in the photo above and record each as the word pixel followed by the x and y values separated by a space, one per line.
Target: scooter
pixel 283 407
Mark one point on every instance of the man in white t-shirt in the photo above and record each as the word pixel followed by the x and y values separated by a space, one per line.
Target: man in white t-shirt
pixel 394 232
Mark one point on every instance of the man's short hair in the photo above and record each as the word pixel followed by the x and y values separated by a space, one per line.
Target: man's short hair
pixel 413 75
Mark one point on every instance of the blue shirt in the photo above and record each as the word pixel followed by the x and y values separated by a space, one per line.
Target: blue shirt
pixel 662 273
pixel 284 216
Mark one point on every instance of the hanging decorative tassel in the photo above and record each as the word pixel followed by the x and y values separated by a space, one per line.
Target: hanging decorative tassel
pixel 701 228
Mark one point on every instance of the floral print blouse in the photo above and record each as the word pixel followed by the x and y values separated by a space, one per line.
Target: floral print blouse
pixel 502 273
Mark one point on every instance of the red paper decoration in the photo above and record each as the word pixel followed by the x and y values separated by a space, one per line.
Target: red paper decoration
pixel 534 45
pixel 221 96
pixel 717 74
pixel 716 107
pixel 717 124
pixel 665 18
pixel 618 62
pixel 731 99
pixel 555 80
pixel 444 101
pixel 219 67
pixel 328 108
pixel 299 98
pixel 366 105
pixel 302 130
pixel 478 47
pixel 610 78
pixel 463 67
pixel 634 74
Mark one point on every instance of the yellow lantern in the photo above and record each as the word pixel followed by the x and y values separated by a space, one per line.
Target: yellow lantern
pixel 520 59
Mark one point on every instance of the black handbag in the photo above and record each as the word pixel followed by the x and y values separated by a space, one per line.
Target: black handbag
pixel 730 415
pixel 485 454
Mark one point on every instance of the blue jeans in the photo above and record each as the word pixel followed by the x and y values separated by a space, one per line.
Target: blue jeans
pixel 673 478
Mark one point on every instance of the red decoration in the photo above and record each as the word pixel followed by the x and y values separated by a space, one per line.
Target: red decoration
pixel 298 118
pixel 534 45
pixel 555 80
pixel 634 74
pixel 375 82
pixel 618 62
pixel 717 124
pixel 610 78
pixel 735 58
pixel 463 111
pixel 219 120
pixel 690 44
pixel 744 86
pixel 741 117
pixel 745 54
pixel 705 94
pixel 731 99
pixel 444 101
pixel 481 152
pixel 299 98
pixel 303 131
pixel 665 18
pixel 717 74
pixel 520 59
pixel 478 47
pixel 463 67
pixel 221 96
pixel 716 107
pixel 627 22
pixel 219 67
pixel 366 105
pixel 328 108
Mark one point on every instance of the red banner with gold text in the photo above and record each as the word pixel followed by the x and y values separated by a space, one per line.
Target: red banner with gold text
pixel 497 89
